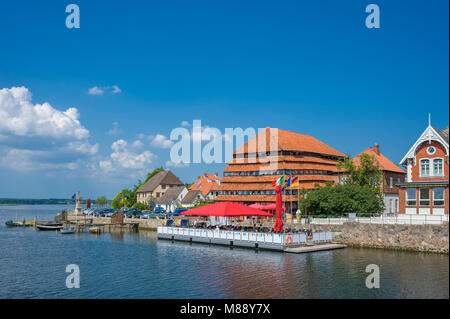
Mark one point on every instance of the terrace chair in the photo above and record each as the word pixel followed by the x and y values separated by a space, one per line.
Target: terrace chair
pixel 169 222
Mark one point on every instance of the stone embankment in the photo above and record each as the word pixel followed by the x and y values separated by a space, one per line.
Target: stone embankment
pixel 425 238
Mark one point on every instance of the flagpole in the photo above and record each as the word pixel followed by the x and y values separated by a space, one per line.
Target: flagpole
pixel 298 195
pixel 284 216
pixel 290 186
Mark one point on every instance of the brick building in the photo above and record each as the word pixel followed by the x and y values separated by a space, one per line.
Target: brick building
pixel 271 154
pixel 391 176
pixel 208 184
pixel 426 190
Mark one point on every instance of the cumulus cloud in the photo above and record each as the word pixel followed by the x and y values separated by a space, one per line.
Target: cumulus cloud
pixel 177 165
pixel 116 130
pixel 161 141
pixel 116 89
pixel 99 90
pixel 38 136
pixel 95 91
pixel 19 117
pixel 185 124
pixel 124 156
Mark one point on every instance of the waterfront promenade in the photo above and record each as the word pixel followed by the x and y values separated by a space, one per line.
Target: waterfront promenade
pixel 414 237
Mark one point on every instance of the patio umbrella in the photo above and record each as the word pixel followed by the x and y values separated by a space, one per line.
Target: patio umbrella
pixel 225 209
pixel 270 207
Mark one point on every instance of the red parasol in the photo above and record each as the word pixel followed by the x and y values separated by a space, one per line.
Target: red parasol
pixel 225 209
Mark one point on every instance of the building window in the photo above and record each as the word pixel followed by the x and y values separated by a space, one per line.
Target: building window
pixel 391 182
pixel 437 167
pixel 438 196
pixel 431 150
pixel 424 167
pixel 411 197
pixel 424 199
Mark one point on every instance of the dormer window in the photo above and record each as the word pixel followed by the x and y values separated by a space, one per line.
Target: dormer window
pixel 425 167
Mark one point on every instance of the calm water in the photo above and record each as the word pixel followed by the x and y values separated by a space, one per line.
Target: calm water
pixel 131 265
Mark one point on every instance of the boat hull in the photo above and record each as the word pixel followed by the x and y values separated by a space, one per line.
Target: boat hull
pixel 50 227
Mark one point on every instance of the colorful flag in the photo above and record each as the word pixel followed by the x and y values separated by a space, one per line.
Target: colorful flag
pixel 287 184
pixel 74 196
pixel 279 181
pixel 294 182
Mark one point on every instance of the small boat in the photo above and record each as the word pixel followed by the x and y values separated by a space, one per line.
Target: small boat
pixel 11 223
pixel 54 226
pixel 94 230
pixel 70 230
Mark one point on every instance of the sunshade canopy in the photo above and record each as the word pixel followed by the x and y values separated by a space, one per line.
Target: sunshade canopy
pixel 224 209
pixel 265 207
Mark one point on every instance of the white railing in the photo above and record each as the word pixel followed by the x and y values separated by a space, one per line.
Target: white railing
pixel 271 238
pixel 393 220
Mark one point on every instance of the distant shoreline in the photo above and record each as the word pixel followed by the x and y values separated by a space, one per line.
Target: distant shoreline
pixel 44 201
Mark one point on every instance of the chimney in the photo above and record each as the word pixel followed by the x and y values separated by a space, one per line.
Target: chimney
pixel 217 174
pixel 376 148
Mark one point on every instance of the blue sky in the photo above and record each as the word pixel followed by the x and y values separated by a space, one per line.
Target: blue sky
pixel 307 66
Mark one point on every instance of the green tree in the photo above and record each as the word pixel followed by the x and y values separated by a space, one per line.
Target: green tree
pixel 366 173
pixel 101 201
pixel 339 200
pixel 140 206
pixel 117 201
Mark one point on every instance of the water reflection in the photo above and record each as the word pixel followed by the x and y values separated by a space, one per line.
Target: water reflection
pixel 137 265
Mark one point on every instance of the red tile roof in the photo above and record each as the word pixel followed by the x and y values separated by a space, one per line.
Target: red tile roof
pixel 206 183
pixel 383 162
pixel 283 140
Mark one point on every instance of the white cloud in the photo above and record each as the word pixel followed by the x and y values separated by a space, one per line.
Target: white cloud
pixel 95 91
pixel 116 130
pixel 173 164
pixel 38 136
pixel 161 141
pixel 99 90
pixel 137 144
pixel 19 117
pixel 124 156
pixel 116 89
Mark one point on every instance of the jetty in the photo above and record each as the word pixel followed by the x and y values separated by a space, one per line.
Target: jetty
pixel 288 242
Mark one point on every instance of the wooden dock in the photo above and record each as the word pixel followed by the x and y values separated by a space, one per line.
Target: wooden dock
pixel 313 248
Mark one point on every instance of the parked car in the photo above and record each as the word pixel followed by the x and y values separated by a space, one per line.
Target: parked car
pixel 159 210
pixel 178 211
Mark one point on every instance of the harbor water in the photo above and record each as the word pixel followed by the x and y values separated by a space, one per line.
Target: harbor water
pixel 137 265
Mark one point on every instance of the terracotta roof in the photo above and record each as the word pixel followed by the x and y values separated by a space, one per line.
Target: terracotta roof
pixel 254 198
pixel 277 166
pixel 172 193
pixel 286 141
pixel 266 186
pixel 383 162
pixel 270 178
pixel 281 158
pixel 202 184
pixel 190 197
pixel 164 177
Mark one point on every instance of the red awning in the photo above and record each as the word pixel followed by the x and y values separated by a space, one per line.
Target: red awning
pixel 225 209
pixel 265 207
